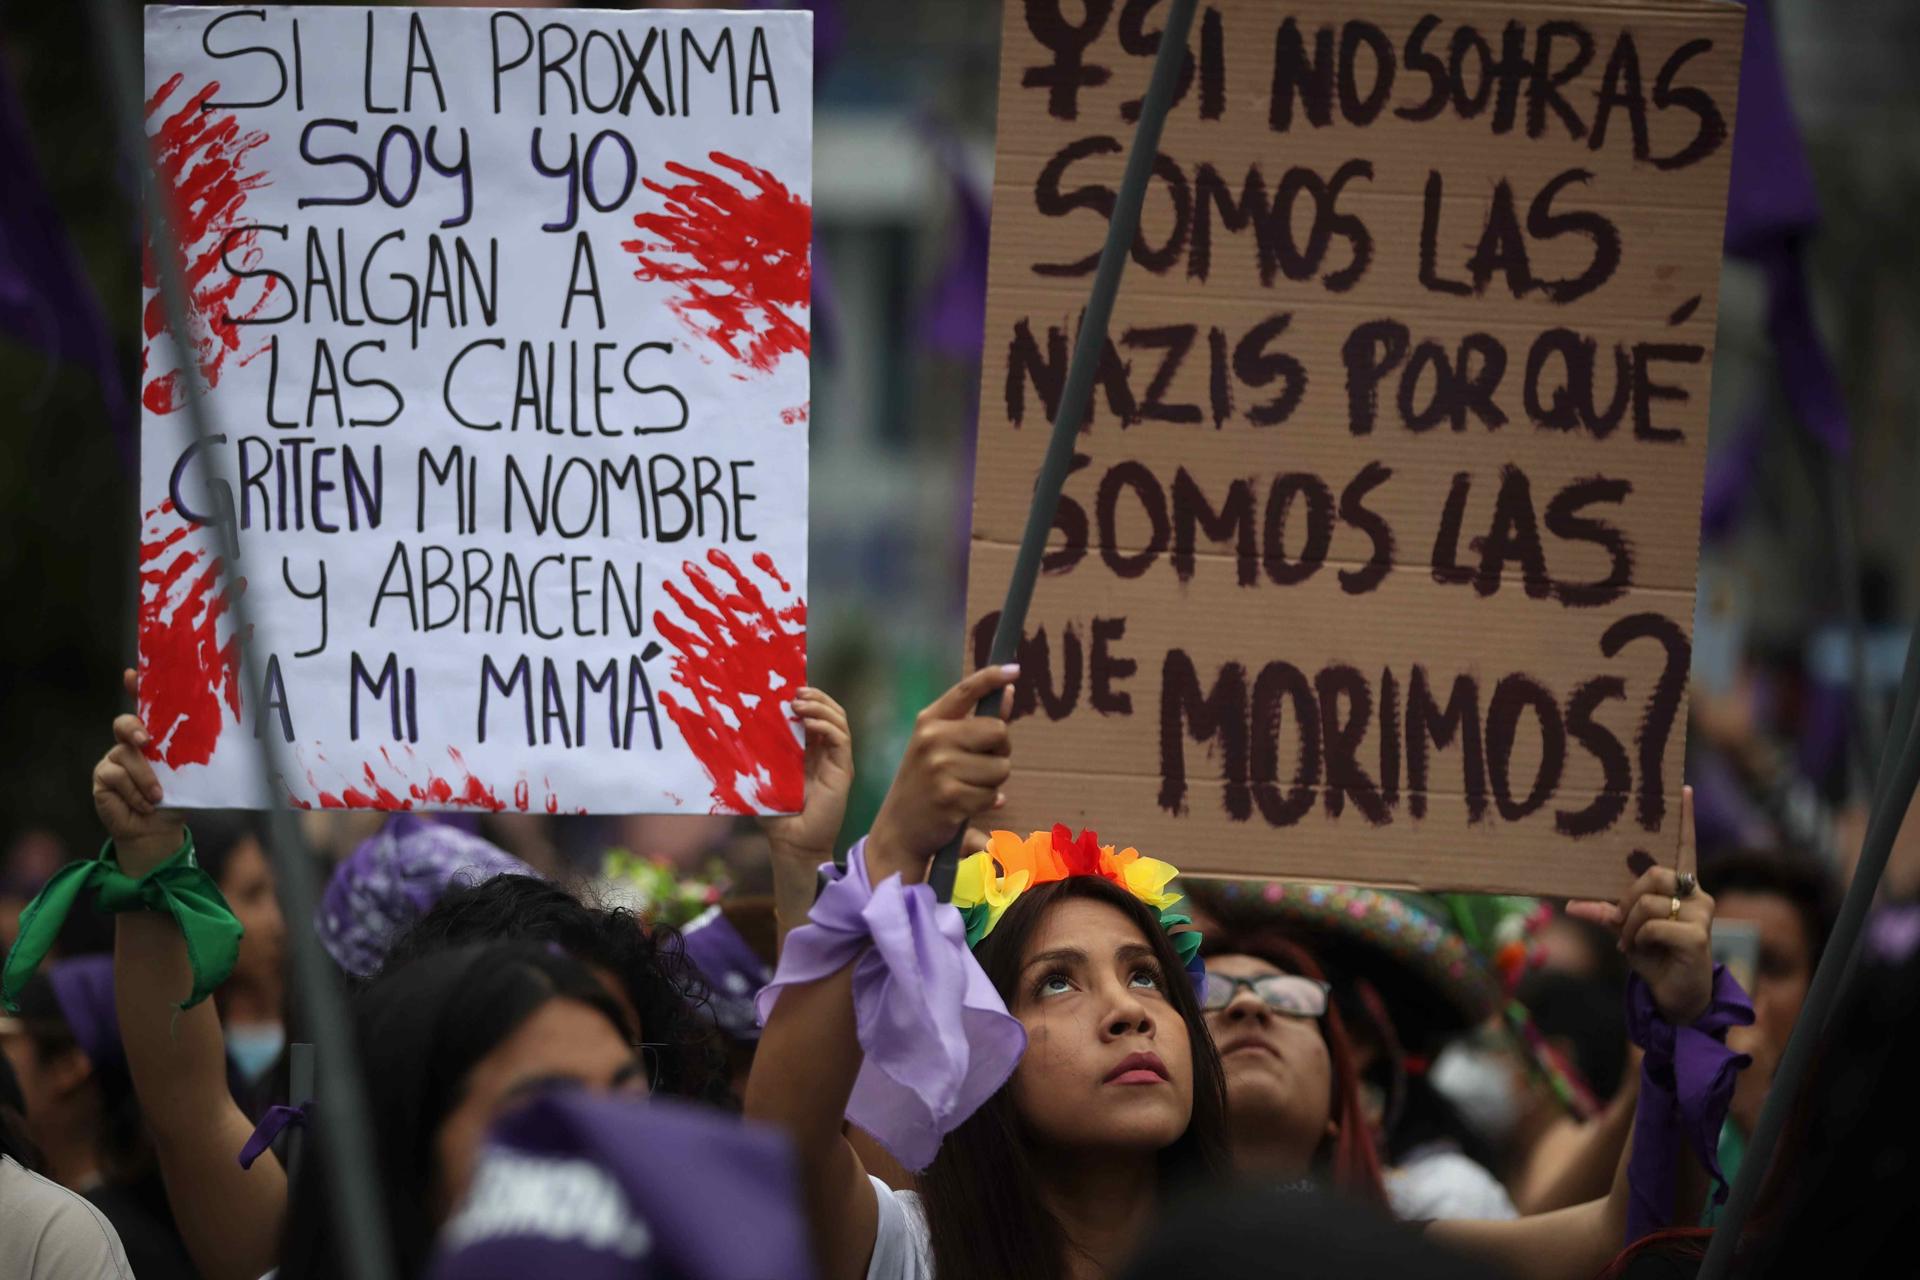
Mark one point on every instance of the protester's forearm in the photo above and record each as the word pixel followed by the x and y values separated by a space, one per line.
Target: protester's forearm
pixel 1615 1207
pixel 803 1075
pixel 1575 1243
pixel 796 877
pixel 177 1057
pixel 1567 1244
pixel 1584 1169
pixel 888 853
pixel 809 1056
pixel 229 1217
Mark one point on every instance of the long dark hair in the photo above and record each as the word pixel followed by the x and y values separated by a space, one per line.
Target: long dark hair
pixel 985 1212
pixel 648 963
pixel 1348 1160
pixel 422 1028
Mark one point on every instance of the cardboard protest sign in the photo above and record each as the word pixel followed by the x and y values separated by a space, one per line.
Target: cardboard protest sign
pixel 1377 559
pixel 502 318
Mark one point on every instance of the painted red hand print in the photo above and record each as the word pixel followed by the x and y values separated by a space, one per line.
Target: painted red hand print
pixel 739 663
pixel 201 159
pixel 740 255
pixel 186 670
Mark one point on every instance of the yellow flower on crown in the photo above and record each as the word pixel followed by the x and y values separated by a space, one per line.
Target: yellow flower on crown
pixel 977 881
pixel 987 883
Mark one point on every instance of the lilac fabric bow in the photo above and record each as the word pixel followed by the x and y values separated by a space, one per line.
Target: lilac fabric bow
pixel 1686 1084
pixel 937 1037
pixel 277 1120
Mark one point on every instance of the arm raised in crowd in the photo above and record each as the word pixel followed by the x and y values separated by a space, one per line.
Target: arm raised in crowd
pixel 1668 940
pixel 1578 1160
pixel 809 1055
pixel 804 840
pixel 230 1217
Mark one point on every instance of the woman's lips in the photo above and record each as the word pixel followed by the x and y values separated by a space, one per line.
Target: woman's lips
pixel 1139 1068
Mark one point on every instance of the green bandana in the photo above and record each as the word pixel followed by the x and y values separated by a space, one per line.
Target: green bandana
pixel 177 887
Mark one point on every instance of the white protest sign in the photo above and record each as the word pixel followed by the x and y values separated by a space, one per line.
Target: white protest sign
pixel 503 317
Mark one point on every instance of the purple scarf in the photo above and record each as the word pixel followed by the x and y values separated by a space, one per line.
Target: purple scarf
pixel 1686 1083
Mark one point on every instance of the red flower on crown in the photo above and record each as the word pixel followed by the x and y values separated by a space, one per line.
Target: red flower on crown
pixel 1081 856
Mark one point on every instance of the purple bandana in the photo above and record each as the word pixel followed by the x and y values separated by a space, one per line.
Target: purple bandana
pixel 394 878
pixel 601 1188
pixel 1686 1083
pixel 83 988
pixel 733 974
pixel 937 1037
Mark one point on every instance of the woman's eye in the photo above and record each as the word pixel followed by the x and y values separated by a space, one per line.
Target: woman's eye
pixel 1054 984
pixel 1145 978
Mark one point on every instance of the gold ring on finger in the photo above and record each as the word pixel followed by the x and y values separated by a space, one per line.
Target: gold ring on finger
pixel 1673 909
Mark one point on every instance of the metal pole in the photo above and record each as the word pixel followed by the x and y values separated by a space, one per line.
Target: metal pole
pixel 1864 744
pixel 1121 229
pixel 300 1091
pixel 1896 790
pixel 347 1154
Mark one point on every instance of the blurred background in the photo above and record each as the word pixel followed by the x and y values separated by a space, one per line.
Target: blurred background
pixel 1806 600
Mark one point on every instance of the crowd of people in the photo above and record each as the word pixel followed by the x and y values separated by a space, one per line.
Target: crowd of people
pixel 1084 1065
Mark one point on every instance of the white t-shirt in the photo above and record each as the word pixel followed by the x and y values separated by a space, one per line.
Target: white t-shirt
pixel 52 1234
pixel 902 1247
pixel 1437 1184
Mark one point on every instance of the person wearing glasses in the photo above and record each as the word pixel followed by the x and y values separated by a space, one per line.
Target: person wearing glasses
pixel 1292 1088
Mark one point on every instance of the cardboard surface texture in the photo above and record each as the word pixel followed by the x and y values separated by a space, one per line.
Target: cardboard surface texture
pixel 1377 562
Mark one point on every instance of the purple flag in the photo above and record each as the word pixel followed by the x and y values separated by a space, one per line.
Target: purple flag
pixel 1772 210
pixel 953 318
pixel 46 300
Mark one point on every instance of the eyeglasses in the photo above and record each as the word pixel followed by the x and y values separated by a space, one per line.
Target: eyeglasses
pixel 1286 993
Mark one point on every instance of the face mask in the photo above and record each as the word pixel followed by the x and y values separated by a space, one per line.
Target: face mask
pixel 254 1049
pixel 1480 1083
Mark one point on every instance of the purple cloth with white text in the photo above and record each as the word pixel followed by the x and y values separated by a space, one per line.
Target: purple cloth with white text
pixel 591 1187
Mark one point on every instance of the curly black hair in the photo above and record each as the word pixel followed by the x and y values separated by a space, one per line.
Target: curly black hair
pixel 649 962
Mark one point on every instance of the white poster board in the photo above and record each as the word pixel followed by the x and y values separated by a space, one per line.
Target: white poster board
pixel 503 317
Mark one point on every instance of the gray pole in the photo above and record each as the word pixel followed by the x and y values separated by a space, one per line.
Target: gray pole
pixel 1080 370
pixel 347 1153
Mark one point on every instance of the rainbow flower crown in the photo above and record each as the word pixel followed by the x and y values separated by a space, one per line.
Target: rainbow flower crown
pixel 987 883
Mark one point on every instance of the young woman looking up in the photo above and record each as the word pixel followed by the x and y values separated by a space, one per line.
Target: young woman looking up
pixel 1115 1100
pixel 1293 1093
